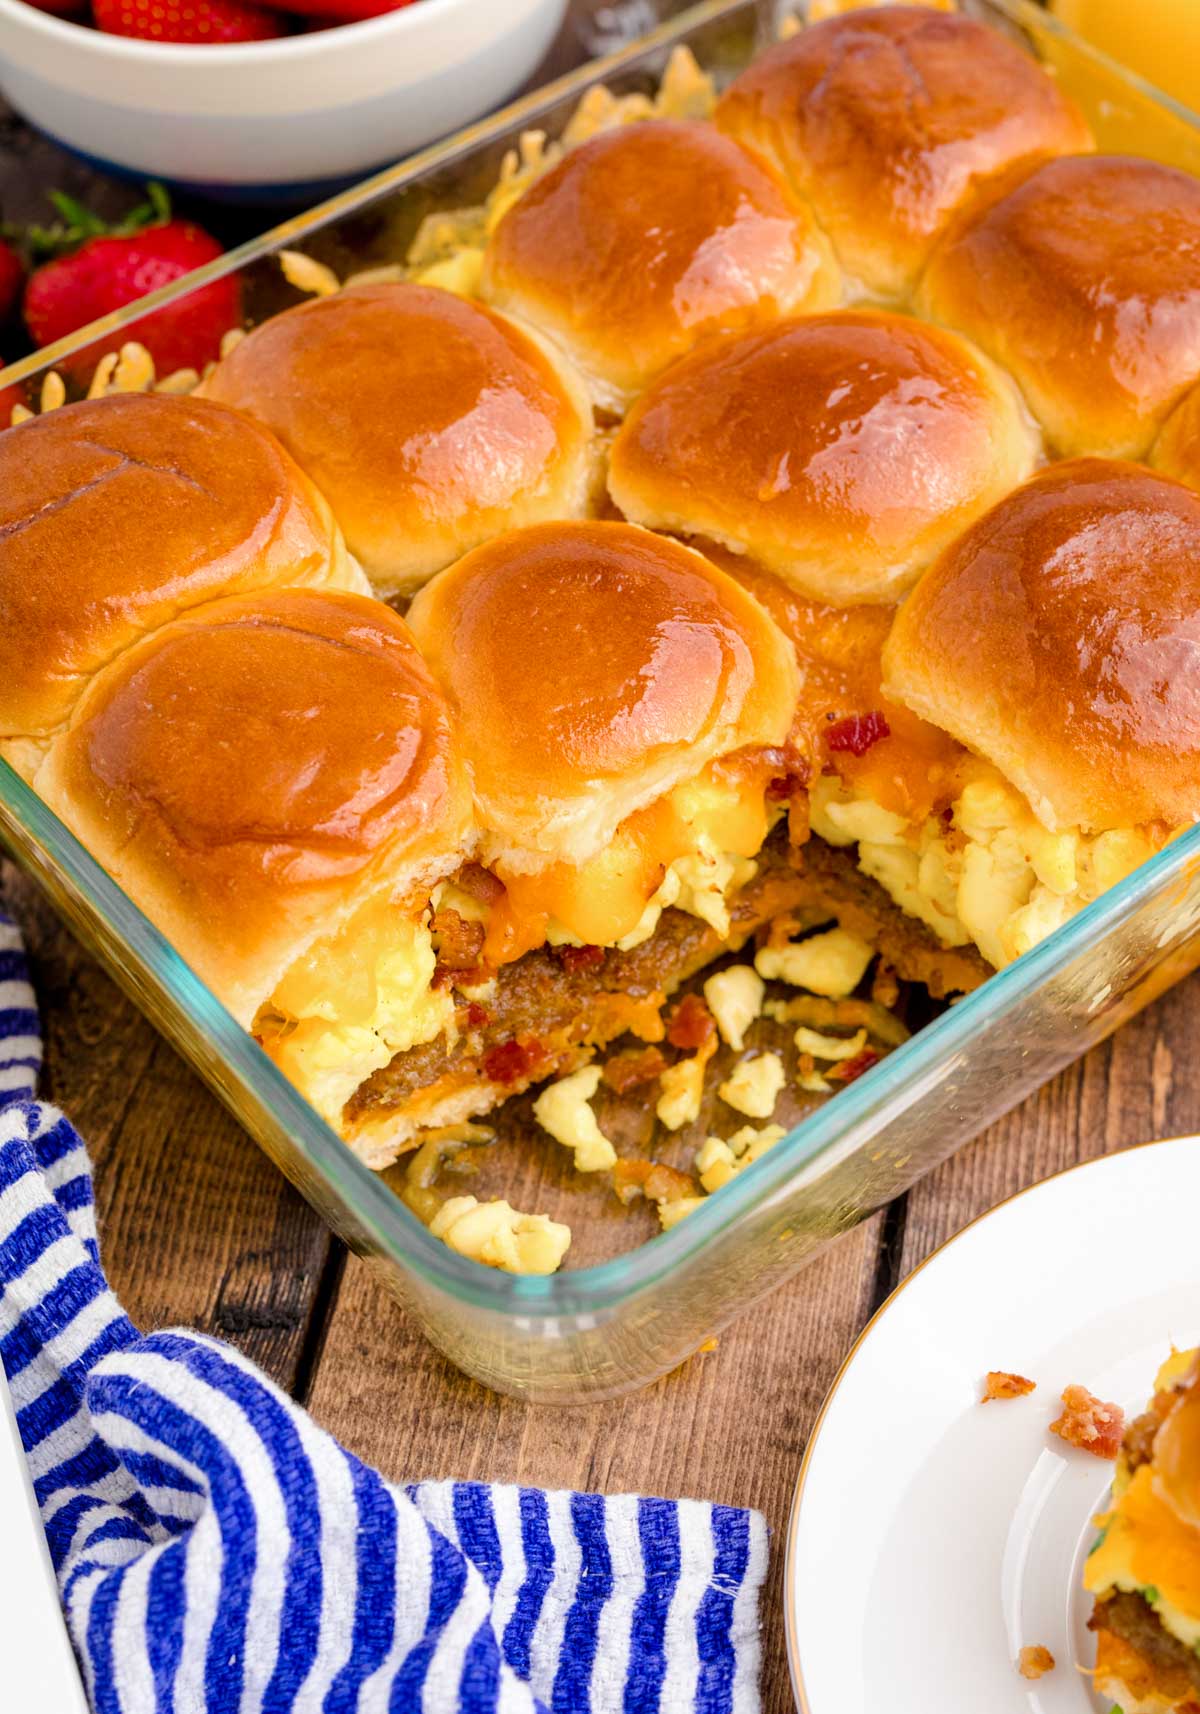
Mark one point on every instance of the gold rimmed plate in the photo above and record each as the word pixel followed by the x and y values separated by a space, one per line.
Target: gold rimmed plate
pixel 932 1537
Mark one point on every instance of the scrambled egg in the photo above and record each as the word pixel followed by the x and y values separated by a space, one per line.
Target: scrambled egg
pixel 753 1087
pixel 501 1237
pixel 351 1003
pixel 682 1087
pixel 831 964
pixel 562 1109
pixel 992 874
pixel 671 1213
pixel 831 1048
pixel 735 999
pixel 718 1161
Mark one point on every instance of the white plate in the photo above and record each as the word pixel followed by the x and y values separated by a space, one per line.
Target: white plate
pixel 931 1536
pixel 37 1667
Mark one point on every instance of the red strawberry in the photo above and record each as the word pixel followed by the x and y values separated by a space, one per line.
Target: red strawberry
pixel 12 277
pixel 328 14
pixel 197 21
pixel 111 268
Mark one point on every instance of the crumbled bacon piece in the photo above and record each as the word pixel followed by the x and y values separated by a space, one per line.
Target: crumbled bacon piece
pixel 665 1184
pixel 1001 1385
pixel 460 941
pixel 473 878
pixel 629 1178
pixel 477 1015
pixel 1089 1423
pixel 513 1061
pixel 1034 1661
pixel 849 1069
pixel 858 732
pixel 576 958
pixel 633 1067
pixel 691 1025
pixel 652 1179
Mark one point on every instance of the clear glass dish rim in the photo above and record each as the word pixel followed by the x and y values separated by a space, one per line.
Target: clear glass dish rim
pixel 377 1210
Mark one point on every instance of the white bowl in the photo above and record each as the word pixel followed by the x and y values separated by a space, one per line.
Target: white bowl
pixel 305 111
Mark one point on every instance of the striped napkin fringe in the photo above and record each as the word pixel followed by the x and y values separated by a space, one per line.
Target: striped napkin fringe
pixel 216 1551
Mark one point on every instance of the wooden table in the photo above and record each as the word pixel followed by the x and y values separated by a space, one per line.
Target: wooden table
pixel 199 1230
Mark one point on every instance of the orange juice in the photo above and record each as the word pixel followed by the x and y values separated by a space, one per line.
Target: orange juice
pixel 1159 39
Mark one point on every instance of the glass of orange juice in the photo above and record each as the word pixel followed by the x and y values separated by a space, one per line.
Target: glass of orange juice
pixel 1159 39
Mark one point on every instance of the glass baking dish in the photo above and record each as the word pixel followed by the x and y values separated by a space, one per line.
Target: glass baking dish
pixel 605 1328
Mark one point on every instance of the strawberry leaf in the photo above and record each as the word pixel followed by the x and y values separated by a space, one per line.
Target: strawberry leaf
pixel 78 223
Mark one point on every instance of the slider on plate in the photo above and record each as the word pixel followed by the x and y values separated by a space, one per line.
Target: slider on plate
pixel 840 451
pixel 119 514
pixel 889 122
pixel 1084 281
pixel 1144 1570
pixel 274 780
pixel 648 238
pixel 429 422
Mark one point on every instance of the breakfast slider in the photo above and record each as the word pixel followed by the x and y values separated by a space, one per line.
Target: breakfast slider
pixel 1053 641
pixel 428 422
pixel 623 709
pixel 1084 281
pixel 648 238
pixel 273 780
pixel 1144 1571
pixel 840 451
pixel 118 514
pixel 890 122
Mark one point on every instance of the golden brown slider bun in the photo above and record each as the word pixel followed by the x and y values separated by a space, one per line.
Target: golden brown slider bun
pixel 1177 450
pixel 428 422
pixel 1177 1456
pixel 117 515
pixel 589 669
pixel 841 451
pixel 1084 281
pixel 1060 639
pixel 890 121
pixel 646 238
pixel 256 771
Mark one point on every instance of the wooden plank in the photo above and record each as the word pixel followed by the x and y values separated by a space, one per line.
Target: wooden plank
pixel 1144 1082
pixel 730 1425
pixel 197 1228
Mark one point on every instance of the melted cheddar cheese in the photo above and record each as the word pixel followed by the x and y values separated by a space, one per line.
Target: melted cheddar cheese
pixel 692 849
pixel 1147 1547
pixel 986 871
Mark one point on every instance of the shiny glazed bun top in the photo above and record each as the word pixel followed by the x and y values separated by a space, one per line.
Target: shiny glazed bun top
pixel 590 668
pixel 1084 281
pixel 648 237
pixel 1060 639
pixel 889 121
pixel 428 422
pixel 841 451
pixel 1177 450
pixel 255 770
pixel 120 513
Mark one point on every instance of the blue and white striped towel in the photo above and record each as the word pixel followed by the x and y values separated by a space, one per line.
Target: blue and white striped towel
pixel 218 1552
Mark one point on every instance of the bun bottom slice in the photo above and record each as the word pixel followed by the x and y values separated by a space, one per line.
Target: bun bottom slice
pixel 1144 1569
